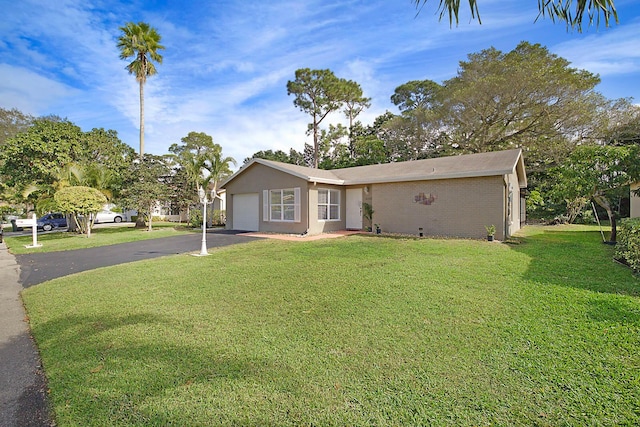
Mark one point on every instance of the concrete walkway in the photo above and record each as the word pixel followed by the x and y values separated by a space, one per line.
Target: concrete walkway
pixel 22 383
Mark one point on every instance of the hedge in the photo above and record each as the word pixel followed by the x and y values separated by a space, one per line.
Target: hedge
pixel 628 245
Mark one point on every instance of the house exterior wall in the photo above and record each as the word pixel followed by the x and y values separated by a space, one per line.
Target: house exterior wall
pixel 317 226
pixel 258 178
pixel 634 201
pixel 453 207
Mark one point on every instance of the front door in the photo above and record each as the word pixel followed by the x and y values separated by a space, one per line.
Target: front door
pixel 354 208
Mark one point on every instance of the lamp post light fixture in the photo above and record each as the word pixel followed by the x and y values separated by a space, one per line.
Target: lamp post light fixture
pixel 203 199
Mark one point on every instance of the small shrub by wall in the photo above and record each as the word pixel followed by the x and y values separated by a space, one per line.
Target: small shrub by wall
pixel 218 217
pixel 628 245
pixel 195 218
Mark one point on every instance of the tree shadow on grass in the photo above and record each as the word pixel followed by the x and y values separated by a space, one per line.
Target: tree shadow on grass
pixel 577 259
pixel 98 369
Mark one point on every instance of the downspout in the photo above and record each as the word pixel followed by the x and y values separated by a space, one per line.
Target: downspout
pixel 309 209
pixel 505 210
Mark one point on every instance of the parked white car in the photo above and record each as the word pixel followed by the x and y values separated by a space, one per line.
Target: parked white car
pixel 108 216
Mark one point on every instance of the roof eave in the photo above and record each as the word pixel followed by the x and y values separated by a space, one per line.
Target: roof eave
pixel 473 174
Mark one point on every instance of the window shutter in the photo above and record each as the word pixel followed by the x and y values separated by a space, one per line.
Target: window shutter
pixel 265 205
pixel 296 201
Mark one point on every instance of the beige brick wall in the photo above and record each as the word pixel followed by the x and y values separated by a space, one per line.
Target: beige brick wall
pixel 459 207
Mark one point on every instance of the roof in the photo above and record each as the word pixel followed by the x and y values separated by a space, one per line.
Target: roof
pixel 460 166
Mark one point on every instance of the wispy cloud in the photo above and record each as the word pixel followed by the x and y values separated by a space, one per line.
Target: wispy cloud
pixel 614 51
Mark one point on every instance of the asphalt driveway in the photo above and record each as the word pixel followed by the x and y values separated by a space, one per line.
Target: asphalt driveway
pixel 40 267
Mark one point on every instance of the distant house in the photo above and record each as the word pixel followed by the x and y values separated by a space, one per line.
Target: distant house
pixel 453 196
pixel 635 201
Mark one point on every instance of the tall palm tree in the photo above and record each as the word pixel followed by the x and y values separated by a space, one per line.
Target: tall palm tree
pixel 556 9
pixel 142 42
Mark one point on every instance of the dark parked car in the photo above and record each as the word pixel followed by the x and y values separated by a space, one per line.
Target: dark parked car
pixel 51 221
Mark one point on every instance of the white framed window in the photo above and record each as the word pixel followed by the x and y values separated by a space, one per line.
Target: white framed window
pixel 281 205
pixel 328 205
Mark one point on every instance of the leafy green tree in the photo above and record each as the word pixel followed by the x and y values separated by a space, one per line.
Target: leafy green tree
pixel 414 134
pixel 142 42
pixel 319 93
pixel 146 185
pixel 354 103
pixel 502 100
pixel 624 127
pixel 598 173
pixel 277 156
pixel 12 122
pixel 294 157
pixel 53 152
pixel 35 155
pixel 561 10
pixel 82 203
pixel 202 162
pixel 334 152
pixel 417 95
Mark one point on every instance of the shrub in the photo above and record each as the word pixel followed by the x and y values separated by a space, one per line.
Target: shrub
pixel 80 202
pixel 219 217
pixel 195 218
pixel 628 245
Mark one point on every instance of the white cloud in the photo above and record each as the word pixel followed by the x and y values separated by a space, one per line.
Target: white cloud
pixel 28 91
pixel 613 51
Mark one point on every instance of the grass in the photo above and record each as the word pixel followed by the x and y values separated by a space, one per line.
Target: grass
pixel 63 241
pixel 355 331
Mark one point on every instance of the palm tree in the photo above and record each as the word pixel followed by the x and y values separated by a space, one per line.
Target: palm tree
pixel 142 42
pixel 555 9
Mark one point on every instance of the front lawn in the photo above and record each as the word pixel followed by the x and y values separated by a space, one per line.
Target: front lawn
pixel 356 331
pixel 66 241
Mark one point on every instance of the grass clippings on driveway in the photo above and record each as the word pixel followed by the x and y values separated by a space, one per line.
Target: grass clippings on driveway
pixel 352 331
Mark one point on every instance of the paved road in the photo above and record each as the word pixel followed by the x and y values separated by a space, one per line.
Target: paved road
pixel 40 267
pixel 23 396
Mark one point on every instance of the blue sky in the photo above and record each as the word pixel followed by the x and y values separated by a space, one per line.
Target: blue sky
pixel 227 63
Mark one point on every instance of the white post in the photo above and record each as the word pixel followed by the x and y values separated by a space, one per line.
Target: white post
pixel 34 232
pixel 203 200
pixel 203 247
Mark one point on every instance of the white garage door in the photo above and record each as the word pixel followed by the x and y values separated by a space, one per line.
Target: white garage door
pixel 245 212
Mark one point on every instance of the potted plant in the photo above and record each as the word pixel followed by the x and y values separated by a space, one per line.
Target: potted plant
pixel 491 231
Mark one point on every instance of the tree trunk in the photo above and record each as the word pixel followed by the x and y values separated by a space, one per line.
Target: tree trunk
pixel 604 203
pixel 71 223
pixel 150 215
pixel 141 119
pixel 140 223
pixel 315 143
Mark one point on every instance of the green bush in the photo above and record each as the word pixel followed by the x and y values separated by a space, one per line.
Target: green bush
pixel 195 218
pixel 628 245
pixel 219 217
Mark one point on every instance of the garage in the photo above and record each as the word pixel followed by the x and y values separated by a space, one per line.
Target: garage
pixel 245 212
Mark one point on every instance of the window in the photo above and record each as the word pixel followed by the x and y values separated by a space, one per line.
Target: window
pixel 282 205
pixel 328 205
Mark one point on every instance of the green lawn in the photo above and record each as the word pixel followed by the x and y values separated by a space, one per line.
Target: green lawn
pixel 357 331
pixel 63 241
